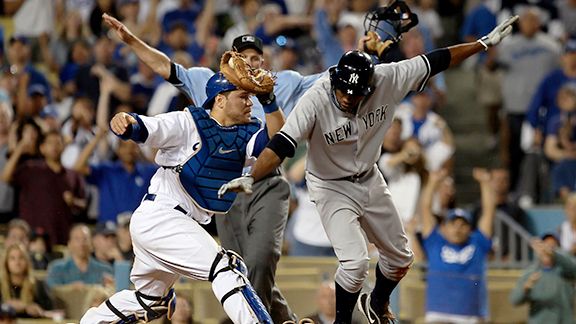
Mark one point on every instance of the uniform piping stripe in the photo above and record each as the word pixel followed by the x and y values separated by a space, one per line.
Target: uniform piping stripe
pixel 290 139
pixel 427 76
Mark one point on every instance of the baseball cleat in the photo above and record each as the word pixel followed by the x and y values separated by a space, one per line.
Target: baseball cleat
pixel 371 315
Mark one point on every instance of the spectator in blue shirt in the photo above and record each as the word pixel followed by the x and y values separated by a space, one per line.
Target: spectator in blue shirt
pixel 79 269
pixel 121 183
pixel 456 253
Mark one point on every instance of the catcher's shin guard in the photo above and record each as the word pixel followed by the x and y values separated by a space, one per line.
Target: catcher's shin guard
pixel 160 306
pixel 237 266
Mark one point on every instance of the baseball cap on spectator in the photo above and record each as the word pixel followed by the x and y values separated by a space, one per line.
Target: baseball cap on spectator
pixel 570 46
pixel 37 89
pixel 177 24
pixel 21 39
pixel 459 213
pixel 106 228
pixel 243 42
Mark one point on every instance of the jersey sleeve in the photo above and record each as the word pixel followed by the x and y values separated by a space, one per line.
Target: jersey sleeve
pixel 300 122
pixel 169 129
pixel 402 77
pixel 192 82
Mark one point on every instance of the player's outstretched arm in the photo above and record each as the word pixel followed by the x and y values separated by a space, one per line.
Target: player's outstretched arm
pixel 156 60
pixel 459 53
pixel 428 220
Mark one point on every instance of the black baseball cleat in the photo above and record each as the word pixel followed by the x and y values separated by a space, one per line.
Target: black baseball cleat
pixel 371 315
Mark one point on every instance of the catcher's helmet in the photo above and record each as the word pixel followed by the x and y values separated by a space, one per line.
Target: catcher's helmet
pixel 353 74
pixel 216 85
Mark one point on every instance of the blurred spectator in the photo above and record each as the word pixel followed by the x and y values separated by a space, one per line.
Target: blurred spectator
pixel 505 205
pixel 148 28
pixel 144 84
pixel 480 21
pixel 79 268
pixel 547 11
pixel 6 191
pixel 78 130
pixel 40 250
pixel 33 18
pixel 51 196
pixel 18 233
pixel 568 227
pixel 95 20
pixel 26 75
pixel 96 296
pixel 560 143
pixel 567 13
pixel 325 304
pixel 526 58
pixel 187 12
pixel 105 243
pixel 123 236
pixel 19 289
pixel 245 18
pixel 78 56
pixel 335 34
pixel 544 104
pixel 402 165
pixel 121 184
pixel 457 254
pixel 548 285
pixel 88 76
pixel 183 313
pixel 310 238
pixel 428 17
pixel 83 7
pixel 275 23
pixel 445 197
pixel 428 128
pixel 7 314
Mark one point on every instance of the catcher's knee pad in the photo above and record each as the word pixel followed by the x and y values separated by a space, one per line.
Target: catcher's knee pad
pixel 236 266
pixel 161 306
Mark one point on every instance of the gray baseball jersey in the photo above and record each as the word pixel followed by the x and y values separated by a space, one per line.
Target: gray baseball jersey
pixel 342 144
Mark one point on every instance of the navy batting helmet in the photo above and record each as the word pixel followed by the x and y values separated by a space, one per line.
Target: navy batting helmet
pixel 353 74
pixel 215 86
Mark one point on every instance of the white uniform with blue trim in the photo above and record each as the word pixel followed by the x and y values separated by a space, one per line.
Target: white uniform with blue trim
pixel 167 239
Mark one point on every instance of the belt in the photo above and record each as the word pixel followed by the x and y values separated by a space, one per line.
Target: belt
pixel 357 176
pixel 179 208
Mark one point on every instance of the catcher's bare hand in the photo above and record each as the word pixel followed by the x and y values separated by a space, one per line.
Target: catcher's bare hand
pixel 238 71
pixel 120 123
pixel 121 30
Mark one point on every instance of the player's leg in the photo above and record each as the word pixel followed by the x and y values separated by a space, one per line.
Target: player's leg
pixel 264 224
pixel 383 227
pixel 339 214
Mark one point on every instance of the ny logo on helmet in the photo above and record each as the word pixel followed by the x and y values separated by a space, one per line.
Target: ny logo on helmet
pixel 353 78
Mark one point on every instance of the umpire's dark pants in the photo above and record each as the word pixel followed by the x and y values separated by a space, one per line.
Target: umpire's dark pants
pixel 254 227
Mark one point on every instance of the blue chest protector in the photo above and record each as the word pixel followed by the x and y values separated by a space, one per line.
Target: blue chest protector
pixel 219 159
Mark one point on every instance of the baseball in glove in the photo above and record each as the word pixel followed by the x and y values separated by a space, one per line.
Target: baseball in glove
pixel 237 70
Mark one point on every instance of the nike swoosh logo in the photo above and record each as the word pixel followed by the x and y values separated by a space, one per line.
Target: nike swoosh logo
pixel 223 151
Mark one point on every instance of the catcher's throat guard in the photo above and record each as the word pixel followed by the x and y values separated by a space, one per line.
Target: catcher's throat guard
pixel 392 20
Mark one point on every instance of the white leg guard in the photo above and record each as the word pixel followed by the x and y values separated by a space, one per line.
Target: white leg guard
pixel 136 308
pixel 232 288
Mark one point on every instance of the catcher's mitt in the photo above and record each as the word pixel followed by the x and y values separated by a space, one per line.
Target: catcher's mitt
pixel 375 46
pixel 237 70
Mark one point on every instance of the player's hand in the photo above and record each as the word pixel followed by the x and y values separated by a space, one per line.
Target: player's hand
pixel 372 44
pixel 121 30
pixel 481 174
pixel 242 184
pixel 120 122
pixel 532 279
pixel 498 33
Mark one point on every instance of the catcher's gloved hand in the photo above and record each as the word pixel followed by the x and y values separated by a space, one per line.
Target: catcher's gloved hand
pixel 496 35
pixel 237 70
pixel 244 183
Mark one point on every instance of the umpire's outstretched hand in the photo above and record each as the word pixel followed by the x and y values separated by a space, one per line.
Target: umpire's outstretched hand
pixel 242 184
pixel 120 123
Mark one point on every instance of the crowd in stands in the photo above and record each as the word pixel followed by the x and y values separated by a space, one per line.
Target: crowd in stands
pixel 68 186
